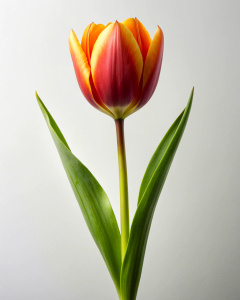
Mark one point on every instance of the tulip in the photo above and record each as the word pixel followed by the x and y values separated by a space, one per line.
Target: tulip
pixel 117 66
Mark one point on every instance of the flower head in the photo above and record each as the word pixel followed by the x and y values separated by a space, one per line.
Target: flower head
pixel 118 65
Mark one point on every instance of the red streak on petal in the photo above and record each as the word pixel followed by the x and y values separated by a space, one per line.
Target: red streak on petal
pixel 83 74
pixel 116 66
pixel 81 68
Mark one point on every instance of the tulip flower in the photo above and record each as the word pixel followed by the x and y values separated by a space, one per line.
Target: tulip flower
pixel 117 66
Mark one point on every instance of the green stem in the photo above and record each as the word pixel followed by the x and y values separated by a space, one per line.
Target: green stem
pixel 123 183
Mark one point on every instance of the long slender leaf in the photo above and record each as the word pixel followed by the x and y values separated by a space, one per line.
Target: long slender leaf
pixel 157 156
pixel 92 199
pixel 150 190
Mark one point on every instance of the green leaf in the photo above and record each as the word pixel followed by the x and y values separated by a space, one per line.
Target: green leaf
pixel 92 199
pixel 150 190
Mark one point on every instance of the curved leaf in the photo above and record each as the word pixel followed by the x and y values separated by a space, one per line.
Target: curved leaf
pixel 157 156
pixel 92 199
pixel 150 190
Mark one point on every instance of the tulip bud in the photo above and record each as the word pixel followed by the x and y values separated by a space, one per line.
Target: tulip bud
pixel 117 66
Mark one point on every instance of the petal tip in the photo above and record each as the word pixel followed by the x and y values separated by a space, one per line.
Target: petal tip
pixel 159 29
pixel 71 32
pixel 72 36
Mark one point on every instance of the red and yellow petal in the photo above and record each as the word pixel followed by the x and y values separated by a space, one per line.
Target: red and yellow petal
pixel 116 65
pixel 152 67
pixel 82 69
pixel 140 34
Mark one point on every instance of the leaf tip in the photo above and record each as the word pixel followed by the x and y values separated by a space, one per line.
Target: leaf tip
pixel 38 98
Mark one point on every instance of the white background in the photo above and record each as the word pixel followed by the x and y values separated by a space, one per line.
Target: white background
pixel 46 251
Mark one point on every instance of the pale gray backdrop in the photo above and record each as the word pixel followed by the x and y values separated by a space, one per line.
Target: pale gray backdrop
pixel 46 251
